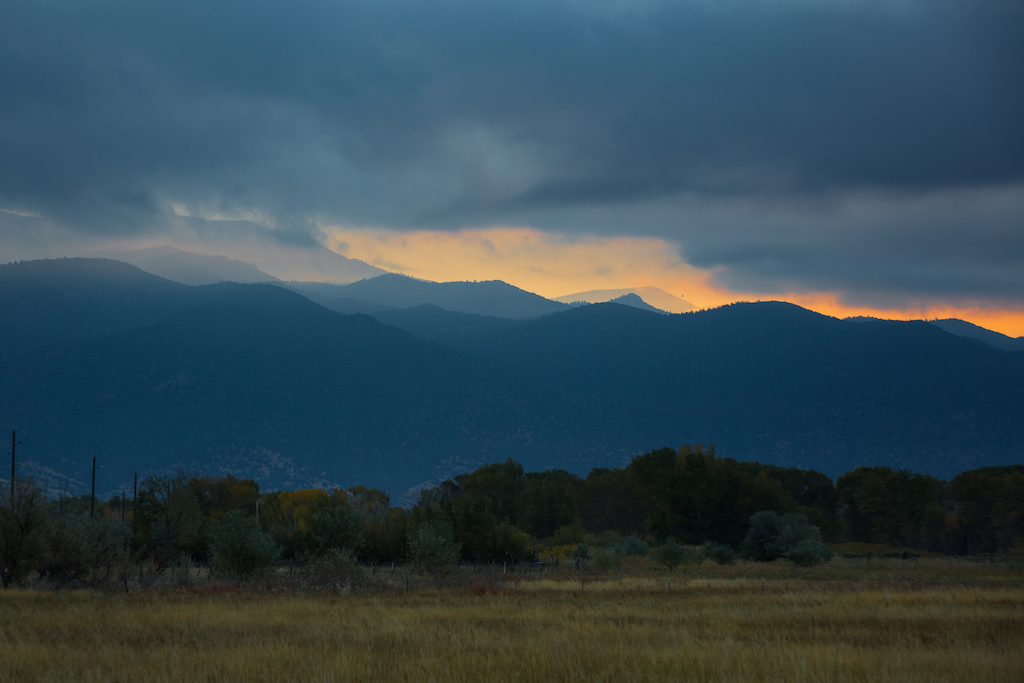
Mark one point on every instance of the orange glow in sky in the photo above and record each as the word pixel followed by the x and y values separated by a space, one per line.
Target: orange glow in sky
pixel 552 265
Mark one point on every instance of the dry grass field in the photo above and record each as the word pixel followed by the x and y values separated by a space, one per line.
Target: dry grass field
pixel 879 620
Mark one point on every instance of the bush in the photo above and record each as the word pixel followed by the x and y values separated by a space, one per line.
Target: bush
pixel 608 557
pixel 570 535
pixel 240 547
pixel 509 543
pixel 719 553
pixel 433 549
pixel 634 546
pixel 671 554
pixel 582 552
pixel 772 536
pixel 83 550
pixel 337 567
pixel 808 552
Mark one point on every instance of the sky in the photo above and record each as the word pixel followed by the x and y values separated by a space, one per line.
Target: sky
pixel 858 157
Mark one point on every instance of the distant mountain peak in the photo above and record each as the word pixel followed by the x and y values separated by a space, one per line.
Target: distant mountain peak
pixel 654 297
pixel 193 268
pixel 635 301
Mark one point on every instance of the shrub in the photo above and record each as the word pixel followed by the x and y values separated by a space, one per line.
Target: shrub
pixel 671 554
pixel 772 536
pixel 634 546
pixel 582 552
pixel 509 543
pixel 83 550
pixel 240 547
pixel 433 549
pixel 719 553
pixel 337 567
pixel 762 542
pixel 808 552
pixel 608 557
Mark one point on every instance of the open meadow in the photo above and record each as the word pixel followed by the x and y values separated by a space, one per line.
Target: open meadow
pixel 853 619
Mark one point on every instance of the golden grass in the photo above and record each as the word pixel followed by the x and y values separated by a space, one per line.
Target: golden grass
pixel 726 625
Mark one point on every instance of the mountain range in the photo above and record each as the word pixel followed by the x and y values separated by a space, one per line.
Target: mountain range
pixel 654 297
pixel 390 291
pixel 101 359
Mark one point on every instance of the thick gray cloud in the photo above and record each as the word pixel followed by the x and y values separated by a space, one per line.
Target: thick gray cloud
pixel 856 145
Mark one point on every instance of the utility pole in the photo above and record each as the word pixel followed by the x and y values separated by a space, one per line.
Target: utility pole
pixel 92 506
pixel 14 442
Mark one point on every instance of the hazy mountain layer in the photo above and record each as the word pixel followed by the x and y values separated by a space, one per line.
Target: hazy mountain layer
pixel 962 328
pixel 493 298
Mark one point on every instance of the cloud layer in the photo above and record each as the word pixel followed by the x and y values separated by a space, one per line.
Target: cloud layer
pixel 872 150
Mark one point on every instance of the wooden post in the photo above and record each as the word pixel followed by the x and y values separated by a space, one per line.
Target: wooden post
pixel 122 506
pixel 92 505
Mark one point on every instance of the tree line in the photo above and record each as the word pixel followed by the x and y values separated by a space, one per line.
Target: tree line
pixel 666 500
pixel 694 496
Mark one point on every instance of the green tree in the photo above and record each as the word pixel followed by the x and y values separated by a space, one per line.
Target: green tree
pixel 79 548
pixel 609 501
pixel 167 519
pixel 550 500
pixel 22 525
pixel 218 496
pixel 384 528
pixel 772 536
pixel 289 515
pixel 239 546
pixel 338 527
pixel 655 481
pixel 433 549
pixel 990 501
pixel 384 536
pixel 894 507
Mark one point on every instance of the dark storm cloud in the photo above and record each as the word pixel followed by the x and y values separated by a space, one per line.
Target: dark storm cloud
pixel 453 113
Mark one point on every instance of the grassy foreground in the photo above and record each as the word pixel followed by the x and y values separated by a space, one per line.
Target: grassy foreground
pixel 739 623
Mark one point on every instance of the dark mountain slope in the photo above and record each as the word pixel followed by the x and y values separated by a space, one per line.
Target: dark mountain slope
pixel 493 298
pixel 772 382
pixel 112 284
pixel 457 330
pixel 255 371
pixel 49 300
